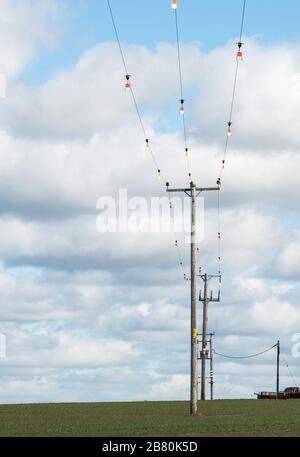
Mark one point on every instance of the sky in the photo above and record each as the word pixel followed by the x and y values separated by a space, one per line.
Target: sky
pixel 89 316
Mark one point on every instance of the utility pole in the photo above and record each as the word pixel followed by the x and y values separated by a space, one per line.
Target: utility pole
pixel 211 358
pixel 211 366
pixel 278 370
pixel 205 300
pixel 193 192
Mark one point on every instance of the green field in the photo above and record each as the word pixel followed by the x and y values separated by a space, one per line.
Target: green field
pixel 219 418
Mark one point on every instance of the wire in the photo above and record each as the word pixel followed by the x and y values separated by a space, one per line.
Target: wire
pixel 147 142
pixel 187 158
pixel 243 20
pixel 117 36
pixel 177 246
pixel 219 235
pixel 246 357
pixel 290 371
pixel 146 138
pixel 234 90
pixel 229 130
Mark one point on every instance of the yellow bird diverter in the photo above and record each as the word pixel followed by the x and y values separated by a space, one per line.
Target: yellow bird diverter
pixel 194 333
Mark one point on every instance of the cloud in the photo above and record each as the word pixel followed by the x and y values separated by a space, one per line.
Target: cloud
pixel 26 26
pixel 289 259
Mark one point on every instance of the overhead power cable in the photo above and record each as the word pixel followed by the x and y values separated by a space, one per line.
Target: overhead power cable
pixel 182 98
pixel 129 88
pixel 239 59
pixel 177 245
pixel 245 357
pixel 290 372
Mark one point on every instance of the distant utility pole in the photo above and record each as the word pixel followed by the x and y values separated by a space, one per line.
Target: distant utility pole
pixel 211 358
pixel 205 300
pixel 193 192
pixel 211 352
pixel 278 370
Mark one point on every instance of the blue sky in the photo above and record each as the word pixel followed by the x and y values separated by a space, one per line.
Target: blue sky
pixel 87 22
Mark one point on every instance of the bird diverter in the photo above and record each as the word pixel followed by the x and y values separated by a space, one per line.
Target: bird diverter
pixel 181 107
pixel 174 4
pixel 239 54
pixel 127 86
pixel 229 129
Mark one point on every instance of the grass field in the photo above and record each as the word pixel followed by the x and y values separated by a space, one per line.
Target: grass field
pixel 219 418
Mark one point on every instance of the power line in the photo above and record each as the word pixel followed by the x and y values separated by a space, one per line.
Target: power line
pixel 246 357
pixel 239 58
pixel 148 146
pixel 243 20
pixel 290 372
pixel 129 88
pixel 182 99
pixel 177 245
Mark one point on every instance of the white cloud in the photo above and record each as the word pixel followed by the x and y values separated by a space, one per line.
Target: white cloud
pixel 275 315
pixel 25 26
pixel 289 259
pixel 176 387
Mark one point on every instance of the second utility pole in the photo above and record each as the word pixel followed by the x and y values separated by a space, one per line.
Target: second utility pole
pixel 206 300
pixel 193 193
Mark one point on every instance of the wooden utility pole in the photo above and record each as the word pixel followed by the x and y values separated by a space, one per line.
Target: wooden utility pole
pixel 194 365
pixel 278 370
pixel 211 358
pixel 204 341
pixel 211 381
pixel 205 300
pixel 193 192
